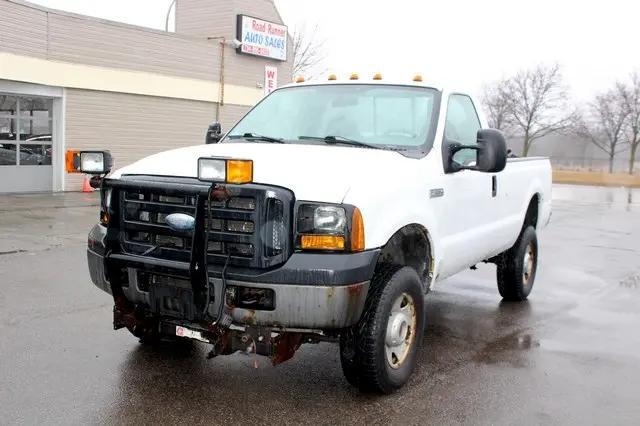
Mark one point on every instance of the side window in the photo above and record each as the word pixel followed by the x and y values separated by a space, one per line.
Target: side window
pixel 462 126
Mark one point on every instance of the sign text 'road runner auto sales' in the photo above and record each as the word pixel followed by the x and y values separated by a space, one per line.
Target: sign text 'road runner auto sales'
pixel 262 38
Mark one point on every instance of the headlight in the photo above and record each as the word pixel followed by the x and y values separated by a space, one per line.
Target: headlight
pixel 329 219
pixel 212 170
pixel 92 162
pixel 223 170
pixel 329 227
pixel 89 162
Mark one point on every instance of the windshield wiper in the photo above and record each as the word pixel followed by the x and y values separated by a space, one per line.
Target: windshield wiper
pixel 346 141
pixel 256 137
pixel 334 140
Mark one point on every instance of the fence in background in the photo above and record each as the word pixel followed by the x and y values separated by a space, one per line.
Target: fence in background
pixel 589 164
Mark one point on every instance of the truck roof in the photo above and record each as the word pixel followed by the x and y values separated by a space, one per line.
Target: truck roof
pixel 381 82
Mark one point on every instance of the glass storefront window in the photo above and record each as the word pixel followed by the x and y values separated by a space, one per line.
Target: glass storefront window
pixel 7 154
pixel 35 118
pixel 35 155
pixel 7 128
pixel 28 122
pixel 8 105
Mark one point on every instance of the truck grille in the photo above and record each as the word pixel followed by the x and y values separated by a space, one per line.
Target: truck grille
pixel 145 231
pixel 249 227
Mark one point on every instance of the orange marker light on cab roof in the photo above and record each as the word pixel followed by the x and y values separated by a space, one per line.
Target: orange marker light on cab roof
pixel 354 76
pixel 299 79
pixel 332 77
pixel 377 76
pixel 417 77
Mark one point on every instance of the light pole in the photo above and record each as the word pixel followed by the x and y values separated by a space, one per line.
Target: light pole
pixel 166 23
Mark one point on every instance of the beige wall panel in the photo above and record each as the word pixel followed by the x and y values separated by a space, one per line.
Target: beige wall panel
pixel 206 18
pixel 77 40
pixel 231 114
pixel 23 30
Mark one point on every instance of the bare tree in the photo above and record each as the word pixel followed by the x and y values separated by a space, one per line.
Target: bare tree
pixel 631 98
pixel 537 104
pixel 308 53
pixel 495 104
pixel 604 124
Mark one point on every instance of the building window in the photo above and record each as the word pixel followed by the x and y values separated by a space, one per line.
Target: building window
pixel 25 131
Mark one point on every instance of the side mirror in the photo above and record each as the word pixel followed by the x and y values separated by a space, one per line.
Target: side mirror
pixel 491 153
pixel 214 133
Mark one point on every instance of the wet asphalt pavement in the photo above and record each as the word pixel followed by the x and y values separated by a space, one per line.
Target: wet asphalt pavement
pixel 570 355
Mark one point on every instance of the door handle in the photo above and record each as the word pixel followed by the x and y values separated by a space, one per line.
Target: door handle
pixel 494 186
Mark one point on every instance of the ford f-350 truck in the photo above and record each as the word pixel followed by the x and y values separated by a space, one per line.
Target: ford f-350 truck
pixel 327 213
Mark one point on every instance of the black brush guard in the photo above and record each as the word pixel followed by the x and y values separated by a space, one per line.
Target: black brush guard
pixel 210 248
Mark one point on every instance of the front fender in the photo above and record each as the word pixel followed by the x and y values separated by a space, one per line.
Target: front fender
pixel 382 218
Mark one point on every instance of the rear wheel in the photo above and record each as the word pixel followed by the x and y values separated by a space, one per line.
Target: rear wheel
pixel 379 353
pixel 517 267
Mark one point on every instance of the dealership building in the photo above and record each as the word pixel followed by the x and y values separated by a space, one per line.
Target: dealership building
pixel 69 81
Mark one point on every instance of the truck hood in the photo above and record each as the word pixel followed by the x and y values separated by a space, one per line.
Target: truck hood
pixel 312 172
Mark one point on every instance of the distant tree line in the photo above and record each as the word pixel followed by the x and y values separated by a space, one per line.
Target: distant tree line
pixel 534 103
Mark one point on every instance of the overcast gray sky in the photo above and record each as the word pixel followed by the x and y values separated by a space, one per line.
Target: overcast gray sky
pixel 470 41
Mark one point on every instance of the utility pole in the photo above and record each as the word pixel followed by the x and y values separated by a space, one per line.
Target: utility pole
pixel 166 22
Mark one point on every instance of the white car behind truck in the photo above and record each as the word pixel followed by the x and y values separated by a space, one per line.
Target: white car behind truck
pixel 327 213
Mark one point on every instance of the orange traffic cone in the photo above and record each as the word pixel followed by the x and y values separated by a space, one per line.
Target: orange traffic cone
pixel 85 184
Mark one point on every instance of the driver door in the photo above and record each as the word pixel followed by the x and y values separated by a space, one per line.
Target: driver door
pixel 467 209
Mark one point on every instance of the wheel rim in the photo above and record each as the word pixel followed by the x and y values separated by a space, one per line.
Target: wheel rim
pixel 401 328
pixel 528 263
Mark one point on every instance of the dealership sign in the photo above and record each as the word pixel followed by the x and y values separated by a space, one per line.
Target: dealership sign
pixel 270 79
pixel 262 38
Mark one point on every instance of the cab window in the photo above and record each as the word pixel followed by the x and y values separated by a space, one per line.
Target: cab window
pixel 462 126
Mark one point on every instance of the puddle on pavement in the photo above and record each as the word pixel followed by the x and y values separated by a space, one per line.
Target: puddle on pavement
pixel 619 196
pixel 511 349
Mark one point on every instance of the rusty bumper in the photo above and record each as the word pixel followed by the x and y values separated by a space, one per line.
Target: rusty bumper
pixel 311 290
pixel 306 306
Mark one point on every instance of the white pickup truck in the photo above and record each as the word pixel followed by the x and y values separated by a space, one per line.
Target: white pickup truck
pixel 327 213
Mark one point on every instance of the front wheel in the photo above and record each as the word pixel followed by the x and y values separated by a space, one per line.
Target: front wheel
pixel 379 353
pixel 517 266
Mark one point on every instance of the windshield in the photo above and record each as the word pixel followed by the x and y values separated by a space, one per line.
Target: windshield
pixel 373 116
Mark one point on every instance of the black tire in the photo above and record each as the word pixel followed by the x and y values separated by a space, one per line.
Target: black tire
pixel 363 349
pixel 515 281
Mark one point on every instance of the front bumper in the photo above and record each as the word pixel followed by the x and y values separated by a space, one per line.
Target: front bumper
pixel 312 291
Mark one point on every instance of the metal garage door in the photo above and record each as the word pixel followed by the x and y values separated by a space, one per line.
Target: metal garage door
pixel 26 145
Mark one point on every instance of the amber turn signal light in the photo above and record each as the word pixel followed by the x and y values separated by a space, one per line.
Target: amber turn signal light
pixel 357 231
pixel 239 171
pixel 72 161
pixel 322 242
pixel 104 218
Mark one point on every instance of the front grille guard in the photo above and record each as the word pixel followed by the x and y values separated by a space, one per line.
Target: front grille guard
pixel 200 259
